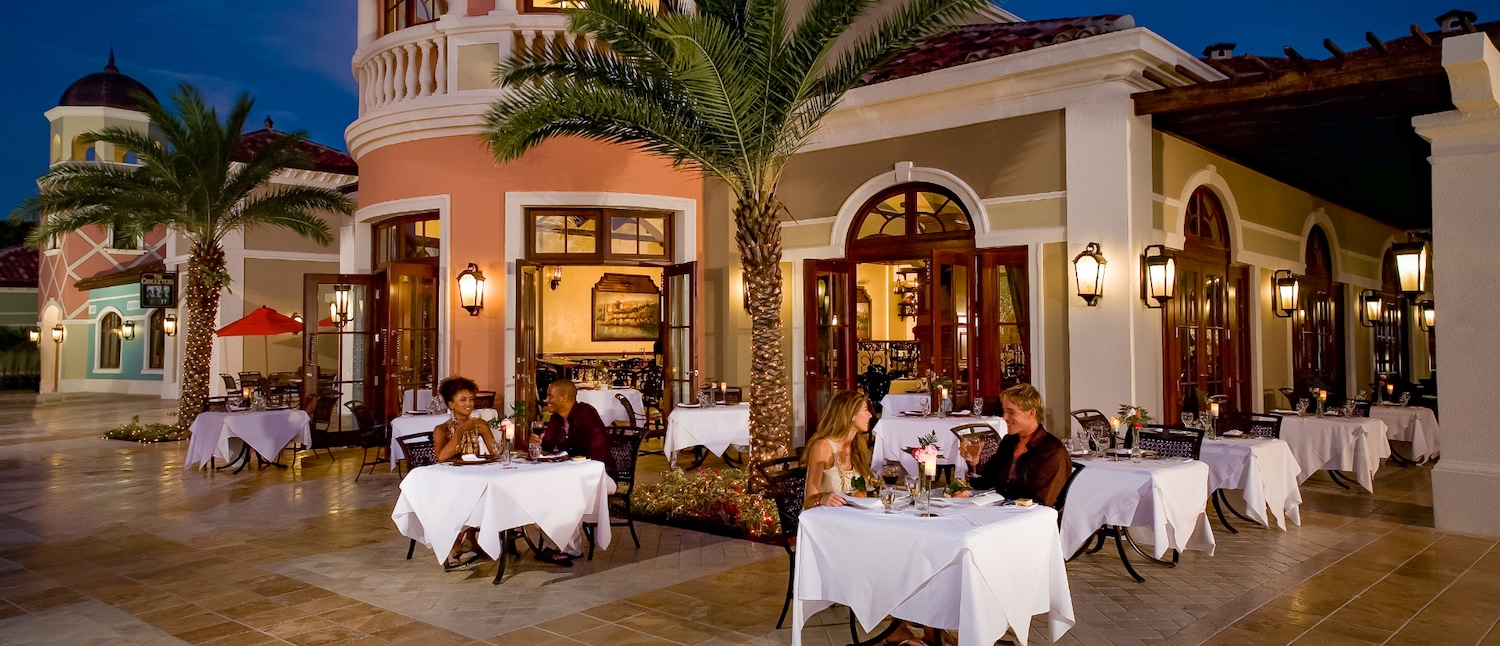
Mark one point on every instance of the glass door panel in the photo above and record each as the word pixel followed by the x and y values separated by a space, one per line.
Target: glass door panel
pixel 678 328
pixel 411 328
pixel 950 280
pixel 1000 323
pixel 829 325
pixel 528 323
pixel 342 359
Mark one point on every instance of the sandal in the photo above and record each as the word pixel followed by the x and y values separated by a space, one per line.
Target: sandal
pixel 467 561
pixel 555 557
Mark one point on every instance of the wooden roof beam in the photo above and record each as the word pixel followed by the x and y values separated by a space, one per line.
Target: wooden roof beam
pixel 1260 62
pixel 1421 35
pixel 1186 72
pixel 1375 43
pixel 1355 71
pixel 1296 57
pixel 1332 48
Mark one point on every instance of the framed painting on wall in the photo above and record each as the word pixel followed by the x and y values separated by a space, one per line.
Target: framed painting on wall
pixel 862 310
pixel 626 307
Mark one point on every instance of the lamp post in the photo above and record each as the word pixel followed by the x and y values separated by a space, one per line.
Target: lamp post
pixel 1285 293
pixel 1371 308
pixel 1158 276
pixel 471 289
pixel 1088 270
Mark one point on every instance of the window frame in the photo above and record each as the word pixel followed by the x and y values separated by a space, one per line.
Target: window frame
pixel 912 243
pixel 409 15
pixel 396 223
pixel 603 253
pixel 156 341
pixel 109 337
pixel 1319 291
pixel 114 237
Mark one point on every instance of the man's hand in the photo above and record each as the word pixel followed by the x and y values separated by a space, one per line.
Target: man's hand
pixel 969 450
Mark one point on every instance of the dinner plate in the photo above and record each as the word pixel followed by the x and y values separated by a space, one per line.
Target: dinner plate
pixel 1232 433
pixel 689 405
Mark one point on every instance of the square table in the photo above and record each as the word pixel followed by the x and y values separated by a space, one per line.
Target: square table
pixel 715 428
pixel 610 410
pixel 267 432
pixel 406 425
pixel 1354 444
pixel 1264 471
pixel 979 570
pixel 1414 424
pixel 895 432
pixel 439 500
pixel 1166 497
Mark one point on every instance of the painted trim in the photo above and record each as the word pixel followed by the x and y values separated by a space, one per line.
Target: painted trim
pixel 116 386
pixel 1021 237
pixel 1029 197
pixel 95 328
pixel 1209 177
pixel 807 222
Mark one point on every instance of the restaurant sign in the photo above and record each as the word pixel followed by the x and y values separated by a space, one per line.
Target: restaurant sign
pixel 158 290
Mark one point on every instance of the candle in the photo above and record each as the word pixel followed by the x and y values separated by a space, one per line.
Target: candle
pixel 510 430
pixel 943 392
pixel 246 391
pixel 723 386
pixel 1213 409
pixel 1390 388
pixel 929 466
pixel 1322 394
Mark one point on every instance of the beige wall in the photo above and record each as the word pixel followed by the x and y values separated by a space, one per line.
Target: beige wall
pixel 1054 345
pixel 276 284
pixel 567 313
pixel 279 239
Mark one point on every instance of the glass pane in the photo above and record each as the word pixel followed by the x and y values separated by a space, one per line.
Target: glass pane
pixel 582 234
pixel 623 233
pixel 551 234
pixel 1005 309
pixel 653 236
pixel 937 213
pixel 887 219
pixel 426 239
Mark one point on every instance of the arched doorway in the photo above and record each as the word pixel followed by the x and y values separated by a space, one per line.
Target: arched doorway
pixel 1318 324
pixel 913 295
pixel 1207 349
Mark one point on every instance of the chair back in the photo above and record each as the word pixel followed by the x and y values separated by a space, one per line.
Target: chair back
pixel 251 379
pixel 652 386
pixel 1095 424
pixel 1062 496
pixel 419 450
pixel 216 404
pixel 982 433
pixel 786 479
pixel 1290 395
pixel 371 433
pixel 1254 425
pixel 624 448
pixel 1171 441
pixel 1362 409
pixel 877 385
pixel 629 409
pixel 229 383
pixel 484 399
pixel 322 414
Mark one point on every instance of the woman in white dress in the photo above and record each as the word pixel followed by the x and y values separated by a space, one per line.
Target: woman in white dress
pixel 836 452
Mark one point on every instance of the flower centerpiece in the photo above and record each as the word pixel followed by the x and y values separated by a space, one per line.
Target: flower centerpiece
pixel 1134 418
pixel 926 455
pixel 501 429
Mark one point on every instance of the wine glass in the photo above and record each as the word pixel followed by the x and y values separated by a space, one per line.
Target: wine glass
pixel 888 495
pixel 926 406
pixel 1187 419
pixel 890 474
pixel 979 406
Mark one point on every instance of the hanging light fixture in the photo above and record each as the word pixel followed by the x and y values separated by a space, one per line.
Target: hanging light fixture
pixel 57 333
pixel 1426 316
pixel 554 276
pixel 1088 269
pixel 1371 307
pixel 1158 276
pixel 338 310
pixel 471 289
pixel 127 330
pixel 34 334
pixel 169 325
pixel 1285 288
pixel 1411 267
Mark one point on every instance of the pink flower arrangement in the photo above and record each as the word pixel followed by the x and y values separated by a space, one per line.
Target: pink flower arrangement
pixel 924 452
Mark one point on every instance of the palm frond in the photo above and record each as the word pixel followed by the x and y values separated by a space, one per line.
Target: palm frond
pixel 294 208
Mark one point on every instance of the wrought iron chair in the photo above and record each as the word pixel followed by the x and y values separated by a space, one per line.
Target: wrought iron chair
pixel 1095 425
pixel 786 480
pixel 1171 441
pixel 484 399
pixel 250 379
pixel 1253 425
pixel 877 386
pixel 624 445
pixel 229 384
pixel 323 435
pixel 981 433
pixel 372 435
pixel 1290 395
pixel 420 452
pixel 1062 496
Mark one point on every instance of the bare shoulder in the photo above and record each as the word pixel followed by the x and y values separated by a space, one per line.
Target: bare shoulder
pixel 819 453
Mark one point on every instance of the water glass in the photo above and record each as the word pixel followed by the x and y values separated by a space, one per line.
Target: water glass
pixel 888 496
pixel 1187 419
pixel 979 406
pixel 926 406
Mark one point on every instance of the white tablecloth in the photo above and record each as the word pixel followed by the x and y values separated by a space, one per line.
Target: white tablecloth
pixel 1166 497
pixel 610 410
pixel 1265 473
pixel 412 425
pixel 895 402
pixel 1345 444
pixel 268 432
pixel 414 400
pixel 714 428
pixel 439 500
pixel 895 432
pixel 1413 424
pixel 979 570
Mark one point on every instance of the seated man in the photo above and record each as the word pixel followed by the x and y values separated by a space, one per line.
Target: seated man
pixel 1030 463
pixel 575 427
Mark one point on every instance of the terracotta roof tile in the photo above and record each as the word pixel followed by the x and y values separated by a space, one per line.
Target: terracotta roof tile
pixel 974 43
pixel 19 266
pixel 325 159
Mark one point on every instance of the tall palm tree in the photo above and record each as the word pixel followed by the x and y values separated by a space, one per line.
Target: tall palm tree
pixel 190 184
pixel 728 88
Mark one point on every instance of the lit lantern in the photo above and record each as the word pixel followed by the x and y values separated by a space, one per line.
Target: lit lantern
pixel 1158 275
pixel 34 334
pixel 554 276
pixel 169 325
pixel 1285 293
pixel 127 330
pixel 334 315
pixel 339 311
pixel 1411 266
pixel 1371 307
pixel 1088 269
pixel 471 289
pixel 57 333
pixel 1427 316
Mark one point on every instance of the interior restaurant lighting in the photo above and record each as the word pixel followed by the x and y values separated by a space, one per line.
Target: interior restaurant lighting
pixel 127 330
pixel 1411 266
pixel 1426 316
pixel 554 276
pixel 57 333
pixel 1371 307
pixel 335 317
pixel 1158 276
pixel 169 325
pixel 1284 293
pixel 339 308
pixel 1088 269
pixel 471 289
pixel 34 334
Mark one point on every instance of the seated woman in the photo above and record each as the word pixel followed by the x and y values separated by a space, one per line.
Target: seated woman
pixel 835 453
pixel 1030 463
pixel 462 435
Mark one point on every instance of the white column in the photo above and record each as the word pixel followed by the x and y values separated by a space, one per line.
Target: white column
pixel 388 76
pixel 369 22
pixel 1465 189
pixel 441 69
pixel 1114 347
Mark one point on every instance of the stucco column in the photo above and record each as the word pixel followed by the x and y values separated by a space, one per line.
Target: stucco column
pixel 1465 189
pixel 369 22
pixel 1114 347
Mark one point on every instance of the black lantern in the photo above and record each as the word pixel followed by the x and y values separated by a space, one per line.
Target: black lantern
pixel 1284 293
pixel 1088 269
pixel 1426 316
pixel 127 330
pixel 169 325
pixel 1158 276
pixel 57 333
pixel 34 334
pixel 554 276
pixel 1411 267
pixel 471 289
pixel 338 310
pixel 1371 307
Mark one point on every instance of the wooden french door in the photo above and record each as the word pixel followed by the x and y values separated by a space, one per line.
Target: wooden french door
pixel 1000 324
pixel 949 318
pixel 829 333
pixel 344 359
pixel 1207 343
pixel 678 327
pixel 410 307
pixel 528 324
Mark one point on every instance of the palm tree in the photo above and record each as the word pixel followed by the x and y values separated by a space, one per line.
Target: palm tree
pixel 728 89
pixel 190 184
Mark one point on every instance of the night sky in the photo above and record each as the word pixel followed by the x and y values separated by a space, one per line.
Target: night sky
pixel 293 56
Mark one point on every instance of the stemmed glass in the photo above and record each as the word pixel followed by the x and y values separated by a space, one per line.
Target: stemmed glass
pixel 1187 419
pixel 926 406
pixel 978 406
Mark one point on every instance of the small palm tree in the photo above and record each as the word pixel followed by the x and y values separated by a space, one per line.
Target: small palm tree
pixel 728 89
pixel 189 184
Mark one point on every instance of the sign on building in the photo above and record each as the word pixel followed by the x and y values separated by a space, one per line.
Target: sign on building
pixel 158 290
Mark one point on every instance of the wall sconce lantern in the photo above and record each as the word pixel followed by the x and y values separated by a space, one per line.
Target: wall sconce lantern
pixel 169 325
pixel 1411 266
pixel 57 333
pixel 1426 316
pixel 335 317
pixel 1284 293
pixel 471 289
pixel 554 276
pixel 127 330
pixel 34 334
pixel 1158 276
pixel 1088 269
pixel 1371 307
pixel 338 310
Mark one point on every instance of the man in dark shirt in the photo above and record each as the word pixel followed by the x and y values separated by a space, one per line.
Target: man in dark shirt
pixel 1030 463
pixel 575 427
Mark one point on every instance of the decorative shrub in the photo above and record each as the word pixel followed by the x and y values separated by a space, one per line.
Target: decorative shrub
pixel 135 431
pixel 713 500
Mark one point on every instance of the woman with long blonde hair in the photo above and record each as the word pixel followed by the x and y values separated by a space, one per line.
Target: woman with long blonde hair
pixel 835 452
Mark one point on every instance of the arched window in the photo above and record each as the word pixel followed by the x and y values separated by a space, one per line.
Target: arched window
pixel 1207 350
pixel 157 337
pixel 109 342
pixel 908 220
pixel 1318 324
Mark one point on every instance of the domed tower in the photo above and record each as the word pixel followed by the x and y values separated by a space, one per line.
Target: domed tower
pixel 96 101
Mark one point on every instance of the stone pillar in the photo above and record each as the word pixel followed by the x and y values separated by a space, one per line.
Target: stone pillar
pixel 1466 266
pixel 368 22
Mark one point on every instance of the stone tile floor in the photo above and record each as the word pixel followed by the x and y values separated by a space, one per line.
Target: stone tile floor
pixel 112 542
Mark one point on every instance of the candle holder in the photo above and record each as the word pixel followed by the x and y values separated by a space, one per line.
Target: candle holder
pixel 922 496
pixel 505 451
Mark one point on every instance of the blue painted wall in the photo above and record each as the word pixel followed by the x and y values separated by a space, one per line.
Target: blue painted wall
pixel 132 351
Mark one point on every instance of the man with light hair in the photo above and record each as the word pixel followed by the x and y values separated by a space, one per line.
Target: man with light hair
pixel 1030 463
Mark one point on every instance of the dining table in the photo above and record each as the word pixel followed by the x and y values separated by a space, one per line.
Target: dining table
pixel 1160 501
pixel 897 401
pixel 439 500
pixel 896 432
pixel 412 424
pixel 1415 424
pixel 1262 473
pixel 1353 444
pixel 979 570
pixel 715 428
pixel 231 436
pixel 610 409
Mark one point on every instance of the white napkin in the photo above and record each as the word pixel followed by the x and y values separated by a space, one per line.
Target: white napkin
pixel 863 503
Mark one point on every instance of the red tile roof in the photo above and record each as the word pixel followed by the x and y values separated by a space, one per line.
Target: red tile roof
pixel 19 266
pixel 325 159
pixel 973 43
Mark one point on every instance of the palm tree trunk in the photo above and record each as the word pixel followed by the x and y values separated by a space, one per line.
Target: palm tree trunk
pixel 201 297
pixel 758 235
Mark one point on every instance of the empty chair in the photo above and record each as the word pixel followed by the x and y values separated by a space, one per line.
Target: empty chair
pixel 484 399
pixel 250 379
pixel 877 386
pixel 372 435
pixel 216 404
pixel 323 435
pixel 630 417
pixel 624 445
pixel 229 386
pixel 1095 426
pixel 420 452
pixel 1290 395
pixel 1252 425
pixel 1171 441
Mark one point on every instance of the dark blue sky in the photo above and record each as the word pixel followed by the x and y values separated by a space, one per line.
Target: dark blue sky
pixel 293 55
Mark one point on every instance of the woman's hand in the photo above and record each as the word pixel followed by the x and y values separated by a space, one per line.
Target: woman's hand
pixel 833 500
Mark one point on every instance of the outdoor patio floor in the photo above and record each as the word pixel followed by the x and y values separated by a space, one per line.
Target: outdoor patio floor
pixel 112 542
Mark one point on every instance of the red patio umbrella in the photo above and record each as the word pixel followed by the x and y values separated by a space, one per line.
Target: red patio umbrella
pixel 264 321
